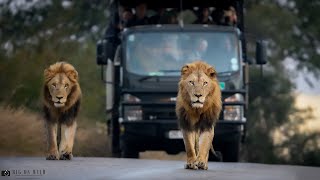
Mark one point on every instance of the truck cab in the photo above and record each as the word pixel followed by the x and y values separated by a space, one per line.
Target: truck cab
pixel 142 72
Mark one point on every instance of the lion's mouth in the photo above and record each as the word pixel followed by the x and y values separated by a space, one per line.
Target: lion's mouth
pixel 58 104
pixel 197 104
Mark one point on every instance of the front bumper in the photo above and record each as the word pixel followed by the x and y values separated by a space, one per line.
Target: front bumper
pixel 153 135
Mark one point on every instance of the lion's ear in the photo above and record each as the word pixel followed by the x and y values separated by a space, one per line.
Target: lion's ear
pixel 211 72
pixel 73 75
pixel 48 74
pixel 185 69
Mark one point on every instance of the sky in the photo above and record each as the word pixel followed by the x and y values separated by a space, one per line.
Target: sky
pixel 298 77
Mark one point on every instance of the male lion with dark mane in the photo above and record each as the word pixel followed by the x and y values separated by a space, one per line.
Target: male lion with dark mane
pixel 198 107
pixel 61 100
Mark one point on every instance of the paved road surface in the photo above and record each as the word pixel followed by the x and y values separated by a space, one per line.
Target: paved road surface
pixel 110 168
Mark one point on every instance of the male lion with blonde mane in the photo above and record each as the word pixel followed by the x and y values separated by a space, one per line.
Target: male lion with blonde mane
pixel 61 100
pixel 198 107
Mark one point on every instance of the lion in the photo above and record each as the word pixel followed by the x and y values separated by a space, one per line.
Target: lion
pixel 198 108
pixel 61 103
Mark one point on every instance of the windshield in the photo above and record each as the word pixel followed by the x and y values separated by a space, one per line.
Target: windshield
pixel 164 53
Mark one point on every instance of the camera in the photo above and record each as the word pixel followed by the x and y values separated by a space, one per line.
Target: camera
pixel 5 173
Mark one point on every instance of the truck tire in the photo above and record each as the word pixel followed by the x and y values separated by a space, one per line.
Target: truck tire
pixel 128 152
pixel 113 151
pixel 112 143
pixel 231 151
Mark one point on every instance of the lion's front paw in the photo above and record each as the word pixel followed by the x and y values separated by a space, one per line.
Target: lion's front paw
pixel 202 165
pixel 52 157
pixel 66 156
pixel 191 166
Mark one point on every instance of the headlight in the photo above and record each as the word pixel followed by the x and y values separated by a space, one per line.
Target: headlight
pixel 128 98
pixel 233 113
pixel 132 113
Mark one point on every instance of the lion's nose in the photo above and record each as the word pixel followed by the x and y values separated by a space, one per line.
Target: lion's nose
pixel 198 95
pixel 59 97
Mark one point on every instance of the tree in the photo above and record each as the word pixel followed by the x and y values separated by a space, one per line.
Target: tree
pixel 35 34
pixel 287 28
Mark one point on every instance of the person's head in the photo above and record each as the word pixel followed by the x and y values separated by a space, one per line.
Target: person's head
pixel 126 14
pixel 170 40
pixel 202 45
pixel 161 11
pixel 205 12
pixel 230 16
pixel 141 10
pixel 172 18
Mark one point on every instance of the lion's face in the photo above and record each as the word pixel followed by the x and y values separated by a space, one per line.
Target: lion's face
pixel 198 84
pixel 60 79
pixel 59 88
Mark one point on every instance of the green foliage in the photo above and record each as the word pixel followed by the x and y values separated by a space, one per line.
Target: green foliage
pixel 309 25
pixel 42 35
pixel 271 103
pixel 22 76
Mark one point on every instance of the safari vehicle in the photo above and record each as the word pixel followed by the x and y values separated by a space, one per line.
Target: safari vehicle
pixel 142 72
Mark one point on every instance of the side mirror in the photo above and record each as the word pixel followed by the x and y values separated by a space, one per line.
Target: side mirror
pixel 261 52
pixel 105 51
pixel 101 52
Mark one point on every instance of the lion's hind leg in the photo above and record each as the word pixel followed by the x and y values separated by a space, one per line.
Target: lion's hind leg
pixel 67 139
pixel 52 153
pixel 205 143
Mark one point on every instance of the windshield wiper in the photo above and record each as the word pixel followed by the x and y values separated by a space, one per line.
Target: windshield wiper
pixel 149 77
pixel 170 71
pixel 157 75
pixel 226 73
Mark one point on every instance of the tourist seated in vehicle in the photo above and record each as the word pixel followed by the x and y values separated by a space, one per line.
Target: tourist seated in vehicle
pixel 172 17
pixel 159 17
pixel 140 16
pixel 226 17
pixel 230 16
pixel 170 48
pixel 112 32
pixel 200 49
pixel 204 17
pixel 126 16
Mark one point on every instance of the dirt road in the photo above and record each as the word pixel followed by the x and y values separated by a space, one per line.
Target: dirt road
pixel 110 168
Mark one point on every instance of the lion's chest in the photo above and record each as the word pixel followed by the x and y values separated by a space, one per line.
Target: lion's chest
pixel 65 117
pixel 194 118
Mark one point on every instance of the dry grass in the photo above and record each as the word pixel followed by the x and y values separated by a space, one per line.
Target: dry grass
pixel 23 134
pixel 91 139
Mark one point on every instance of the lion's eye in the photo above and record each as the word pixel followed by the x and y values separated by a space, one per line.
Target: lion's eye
pixel 66 86
pixel 54 85
pixel 191 82
pixel 205 83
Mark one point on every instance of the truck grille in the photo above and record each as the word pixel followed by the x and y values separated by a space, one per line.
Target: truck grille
pixel 153 113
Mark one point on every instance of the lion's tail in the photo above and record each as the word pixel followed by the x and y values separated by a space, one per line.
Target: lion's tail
pixel 218 156
pixel 213 151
